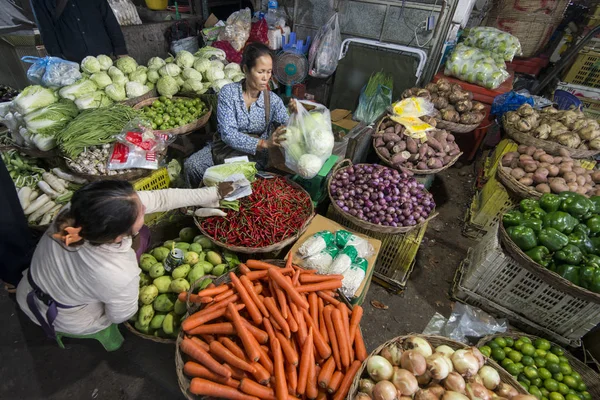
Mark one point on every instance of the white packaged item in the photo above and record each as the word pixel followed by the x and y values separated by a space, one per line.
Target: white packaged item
pixel 344 238
pixel 316 243
pixel 342 262
pixel 322 261
pixel 354 276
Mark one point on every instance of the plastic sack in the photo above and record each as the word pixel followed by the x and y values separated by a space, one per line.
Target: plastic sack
pixel 325 50
pixel 52 71
pixel 471 65
pixel 323 260
pixel 309 139
pixel 370 108
pixel 259 32
pixel 130 156
pixel 138 147
pixel 510 101
pixel 413 107
pixel 316 243
pixel 354 277
pixel 495 40
pixel 218 173
pixel 237 29
pixel 125 12
pixel 188 44
pixel 231 54
pixel 344 238
pixel 342 262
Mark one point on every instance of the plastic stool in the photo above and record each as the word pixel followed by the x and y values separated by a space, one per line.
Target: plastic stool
pixel 110 338
pixel 565 100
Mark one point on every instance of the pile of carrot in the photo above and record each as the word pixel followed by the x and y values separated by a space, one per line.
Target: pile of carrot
pixel 273 333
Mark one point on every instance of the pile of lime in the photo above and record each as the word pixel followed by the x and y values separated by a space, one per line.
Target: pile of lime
pixel 539 366
pixel 165 113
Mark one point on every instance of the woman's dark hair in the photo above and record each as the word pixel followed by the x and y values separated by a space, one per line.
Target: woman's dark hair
pixel 104 210
pixel 252 52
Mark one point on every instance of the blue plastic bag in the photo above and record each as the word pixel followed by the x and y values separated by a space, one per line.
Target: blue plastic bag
pixel 52 72
pixel 510 101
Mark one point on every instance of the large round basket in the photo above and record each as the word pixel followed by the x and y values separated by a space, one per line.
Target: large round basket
pixel 413 170
pixel 588 376
pixel 551 278
pixel 180 130
pixel 454 127
pixel 435 341
pixel 148 95
pixel 132 175
pixel 156 339
pixel 267 249
pixel 340 167
pixel 515 188
pixel 547 146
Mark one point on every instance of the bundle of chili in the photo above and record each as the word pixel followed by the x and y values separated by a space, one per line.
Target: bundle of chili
pixel 273 212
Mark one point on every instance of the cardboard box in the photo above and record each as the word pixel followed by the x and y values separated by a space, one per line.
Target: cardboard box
pixel 342 120
pixel 320 223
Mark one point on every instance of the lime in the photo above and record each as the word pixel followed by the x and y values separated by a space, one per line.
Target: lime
pixel 527 361
pixel 520 366
pixel 523 378
pixel 563 389
pixel 536 382
pixel 556 396
pixel 510 342
pixel 528 349
pixel 576 375
pixel 582 387
pixel 552 358
pixel 515 356
pixel 544 374
pixel 544 391
pixel 493 345
pixel 551 385
pixel 534 391
pixel 553 367
pixel 498 354
pixel 506 362
pixel 540 353
pixel 530 372
pixel 571 382
pixel 507 350
pixel 486 351
pixel 557 350
pixel 563 359
pixel 540 362
pixel 512 369
pixel 519 344
pixel 524 384
pixel 500 341
pixel 565 368
pixel 542 344
pixel 586 395
pixel 525 339
pixel 558 377
pixel 571 397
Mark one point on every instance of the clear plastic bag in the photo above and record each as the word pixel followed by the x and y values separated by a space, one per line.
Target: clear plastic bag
pixel 52 71
pixel 495 40
pixel 237 29
pixel 472 65
pixel 309 139
pixel 125 12
pixel 413 107
pixel 370 108
pixel 189 44
pixel 138 147
pixel 325 50
pixel 316 243
pixel 344 238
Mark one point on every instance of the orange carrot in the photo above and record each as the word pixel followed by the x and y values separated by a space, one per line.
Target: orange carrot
pixel 296 278
pixel 256 264
pixel 223 303
pixel 313 306
pixel 274 323
pixel 251 306
pixel 232 347
pixel 265 360
pixel 346 320
pixel 341 336
pixel 207 338
pixel 274 311
pixel 322 327
pixel 307 351
pixel 211 286
pixel 221 328
pixel 335 381
pixel 194 298
pixel 247 283
pixel 201 317
pixel 224 295
pixel 357 313
pixel 260 373
pixel 342 390
pixel 252 388
pixel 282 300
pixel 290 354
pixel 325 285
pixel 250 344
pixel 311 385
pixel 288 261
pixel 260 335
pixel 320 343
pixel 269 329
pixel 288 287
pixel 332 337
pixel 359 346
pixel 201 343
pixel 204 387
pixel 221 352
pixel 213 291
pixel 328 298
pixel 256 275
pixel 322 395
pixel 291 373
pixel 308 278
pixel 302 328
pixel 236 373
pixel 291 320
pixel 243 268
pixel 196 351
pixel 326 372
pixel 279 371
pixel 196 370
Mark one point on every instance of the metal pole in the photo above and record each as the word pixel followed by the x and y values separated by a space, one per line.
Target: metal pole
pixel 439 39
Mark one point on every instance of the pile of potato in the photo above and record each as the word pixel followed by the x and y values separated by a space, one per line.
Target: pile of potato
pixel 534 167
pixel 401 150
pixel 570 128
pixel 451 101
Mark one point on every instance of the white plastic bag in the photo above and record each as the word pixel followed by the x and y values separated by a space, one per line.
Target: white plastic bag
pixel 52 72
pixel 237 29
pixel 309 139
pixel 125 12
pixel 325 50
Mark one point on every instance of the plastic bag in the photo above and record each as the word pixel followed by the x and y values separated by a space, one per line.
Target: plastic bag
pixel 342 262
pixel 488 38
pixel 354 276
pixel 52 71
pixel 138 147
pixel 510 101
pixel 316 243
pixel 325 50
pixel 189 44
pixel 344 238
pixel 323 260
pixel 309 139
pixel 237 29
pixel 471 65
pixel 231 54
pixel 218 173
pixel 413 107
pixel 370 108
pixel 125 12
pixel 259 32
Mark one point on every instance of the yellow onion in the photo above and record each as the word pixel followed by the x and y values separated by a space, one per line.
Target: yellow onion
pixel 424 379
pixel 438 366
pixel 455 382
pixel 362 396
pixel 524 397
pixel 480 357
pixel 506 390
pixel 465 363
pixel 445 350
pixel 414 362
pixel 425 394
pixel 392 353
pixel 418 344
pixel 475 391
pixel 385 390
pixel 404 398
pixel 475 379
pixel 436 389
pixel 366 386
pixel 379 368
pixel 450 395
pixel 405 382
pixel 489 376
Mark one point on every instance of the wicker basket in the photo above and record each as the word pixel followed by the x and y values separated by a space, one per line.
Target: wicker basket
pixel 267 249
pixel 137 173
pixel 454 127
pixel 364 224
pixel 148 95
pixel 515 188
pixel 156 339
pixel 588 376
pixel 180 130
pixel 435 341
pixel 547 146
pixel 552 278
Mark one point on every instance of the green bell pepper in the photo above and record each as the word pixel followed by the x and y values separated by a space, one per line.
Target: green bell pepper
pixel 552 266
pixel 586 275
pixel 577 205
pixel 596 244
pixel 596 204
pixel 582 228
pixel 566 195
pixel 540 255
pixel 524 237
pixel 535 224
pixel 512 218
pixel 561 221
pixel 595 286
pixel 570 254
pixel 553 239
pixel 550 202
pixel 592 259
pixel 535 213
pixel 528 205
pixel 583 242
pixel 569 272
pixel 593 224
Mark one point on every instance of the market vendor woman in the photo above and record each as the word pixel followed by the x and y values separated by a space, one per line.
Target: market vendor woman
pixel 246 113
pixel 84 275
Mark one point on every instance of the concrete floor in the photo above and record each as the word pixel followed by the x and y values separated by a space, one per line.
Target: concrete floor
pixel 33 367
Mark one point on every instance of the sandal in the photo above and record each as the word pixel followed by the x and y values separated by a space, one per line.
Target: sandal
pixel 10 288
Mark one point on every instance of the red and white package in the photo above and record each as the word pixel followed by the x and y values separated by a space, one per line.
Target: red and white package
pixel 131 156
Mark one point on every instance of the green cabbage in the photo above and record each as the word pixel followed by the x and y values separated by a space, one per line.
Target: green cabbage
pixel 114 72
pixel 101 79
pixel 238 77
pixel 219 173
pixel 191 73
pixel 218 84
pixel 105 62
pixel 167 86
pixel 156 63
pixel 214 74
pixel 216 64
pixel 127 64
pixel 211 52
pixel 152 75
pixel 202 65
pixel 78 89
pixel 142 68
pixel 115 92
pixel 169 70
pixel 90 64
pixel 34 97
pixel 179 80
pixel 93 100
pixel 193 86
pixel 184 59
pixel 309 166
pixel 233 67
pixel 121 80
pixel 49 120
pixel 230 73
pixel 150 85
pixel 138 76
pixel 135 89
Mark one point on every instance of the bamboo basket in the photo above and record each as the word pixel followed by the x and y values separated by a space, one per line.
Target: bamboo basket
pixel 552 278
pixel 588 376
pixel 435 341
pixel 516 188
pixel 136 174
pixel 152 338
pixel 267 249
pixel 180 130
pixel 364 224
pixel 456 127
pixel 132 102
pixel 549 147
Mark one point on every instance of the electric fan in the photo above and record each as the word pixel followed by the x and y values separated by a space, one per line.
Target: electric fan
pixel 290 68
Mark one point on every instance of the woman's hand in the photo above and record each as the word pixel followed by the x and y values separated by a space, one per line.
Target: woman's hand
pixel 224 188
pixel 278 136
pixel 293 106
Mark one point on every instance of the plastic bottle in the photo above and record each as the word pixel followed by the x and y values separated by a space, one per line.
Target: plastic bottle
pixel 272 15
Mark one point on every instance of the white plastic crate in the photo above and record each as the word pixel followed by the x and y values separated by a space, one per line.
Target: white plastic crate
pixel 491 275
